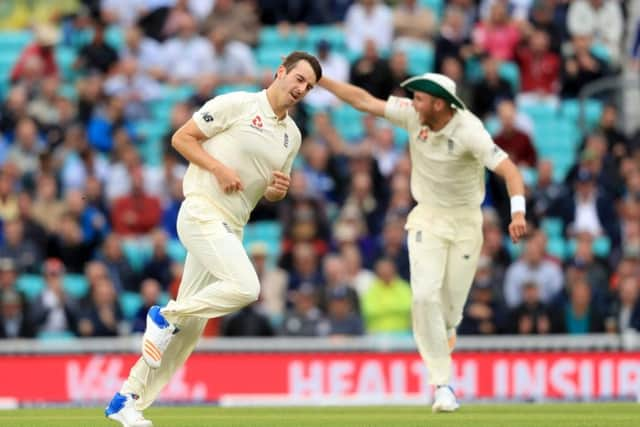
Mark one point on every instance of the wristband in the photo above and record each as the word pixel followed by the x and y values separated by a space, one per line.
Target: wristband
pixel 517 204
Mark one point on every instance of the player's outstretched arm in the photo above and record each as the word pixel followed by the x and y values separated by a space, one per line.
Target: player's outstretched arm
pixel 515 186
pixel 357 97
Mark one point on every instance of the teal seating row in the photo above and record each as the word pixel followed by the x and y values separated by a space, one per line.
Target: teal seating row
pixel 563 249
pixel 32 285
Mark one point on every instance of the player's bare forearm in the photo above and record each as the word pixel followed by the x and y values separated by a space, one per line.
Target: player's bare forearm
pixel 515 186
pixel 357 97
pixel 188 142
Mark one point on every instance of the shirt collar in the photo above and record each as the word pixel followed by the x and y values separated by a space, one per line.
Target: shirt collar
pixel 451 125
pixel 265 106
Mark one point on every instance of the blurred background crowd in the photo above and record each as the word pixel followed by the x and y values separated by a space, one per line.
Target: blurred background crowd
pixel 92 90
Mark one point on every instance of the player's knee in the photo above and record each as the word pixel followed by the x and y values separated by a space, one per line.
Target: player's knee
pixel 426 297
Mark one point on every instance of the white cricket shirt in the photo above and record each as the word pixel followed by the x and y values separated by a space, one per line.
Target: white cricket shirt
pixel 246 136
pixel 447 170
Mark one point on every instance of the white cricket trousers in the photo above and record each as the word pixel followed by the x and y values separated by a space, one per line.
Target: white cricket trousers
pixel 444 247
pixel 218 279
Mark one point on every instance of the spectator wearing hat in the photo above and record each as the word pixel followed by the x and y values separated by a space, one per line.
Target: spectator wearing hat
pixel 54 310
pixel 15 320
pixel 343 319
pixel 37 60
pixel 305 319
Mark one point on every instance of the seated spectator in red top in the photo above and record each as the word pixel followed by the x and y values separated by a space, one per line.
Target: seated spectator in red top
pixel 37 60
pixel 539 66
pixel 512 140
pixel 138 212
pixel 497 35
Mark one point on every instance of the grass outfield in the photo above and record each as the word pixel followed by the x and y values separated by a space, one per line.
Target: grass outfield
pixel 534 415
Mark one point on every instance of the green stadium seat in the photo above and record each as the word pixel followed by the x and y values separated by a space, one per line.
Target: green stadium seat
pixel 176 251
pixel 557 247
pixel 14 40
pixel 270 37
pixel 55 336
pixel 333 35
pixel 539 111
pixel 530 176
pixel 270 57
pixel 180 93
pixel 510 72
pixel 130 303
pixel 420 59
pixel 437 6
pixel 75 285
pixel 570 109
pixel 553 227
pixel 221 90
pixel 400 137
pixel 136 253
pixel 602 246
pixel 31 285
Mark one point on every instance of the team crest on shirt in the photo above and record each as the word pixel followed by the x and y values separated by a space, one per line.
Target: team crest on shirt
pixel 256 123
pixel 424 134
pixel 286 140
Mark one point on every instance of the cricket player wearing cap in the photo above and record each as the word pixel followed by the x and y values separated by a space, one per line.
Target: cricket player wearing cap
pixel 449 149
pixel 241 147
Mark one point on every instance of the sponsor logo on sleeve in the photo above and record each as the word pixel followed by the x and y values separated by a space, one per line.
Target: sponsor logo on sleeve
pixel 207 117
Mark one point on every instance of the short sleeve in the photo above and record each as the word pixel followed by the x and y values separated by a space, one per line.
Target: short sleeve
pixel 399 111
pixel 484 149
pixel 217 114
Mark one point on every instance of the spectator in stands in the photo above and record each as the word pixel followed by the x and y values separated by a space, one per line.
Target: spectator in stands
pixel 89 96
pixel 97 56
pixel 542 18
pixel 350 228
pixel 470 14
pixel 105 123
pixel 37 60
pixel 138 212
pixel 188 55
pixel 32 231
pixel 305 318
pixel 121 274
pixel 27 147
pixel 383 148
pixel 545 193
pixel 368 21
pixel 103 316
pixel 305 267
pixel 54 311
pixel 13 108
pixel 44 107
pixel 359 277
pixel 15 319
pixel 581 67
pixel 386 305
pixel 618 145
pixel 590 210
pixel 67 244
pixel 8 199
pixel 600 19
pixel 371 72
pixel 94 224
pixel 512 140
pixel 399 73
pixel 150 291
pixel 625 312
pixel 25 253
pixel 159 266
pixel 8 274
pixel 136 89
pixel 123 13
pixel 453 68
pixel 334 65
pixel 539 68
pixel 343 319
pixel 596 269
pixel 488 92
pixel 483 314
pixel 531 316
pixel 250 321
pixel 318 167
pixel 94 271
pixel 452 40
pixel 241 18
pixel 532 267
pixel 180 113
pixel 497 34
pixel 334 271
pixel 413 23
pixel 233 60
pixel 393 245
pixel 147 52
pixel 95 196
pixel 579 315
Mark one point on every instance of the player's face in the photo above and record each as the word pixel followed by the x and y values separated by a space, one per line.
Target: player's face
pixel 424 104
pixel 295 84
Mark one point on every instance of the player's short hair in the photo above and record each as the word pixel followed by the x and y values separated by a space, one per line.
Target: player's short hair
pixel 294 57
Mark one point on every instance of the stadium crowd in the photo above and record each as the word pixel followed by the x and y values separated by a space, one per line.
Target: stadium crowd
pixel 81 196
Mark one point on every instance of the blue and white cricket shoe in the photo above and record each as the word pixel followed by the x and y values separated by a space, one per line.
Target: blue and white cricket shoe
pixel 156 338
pixel 122 409
pixel 445 400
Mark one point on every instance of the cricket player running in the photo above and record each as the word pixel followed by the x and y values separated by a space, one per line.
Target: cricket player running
pixel 449 149
pixel 241 147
